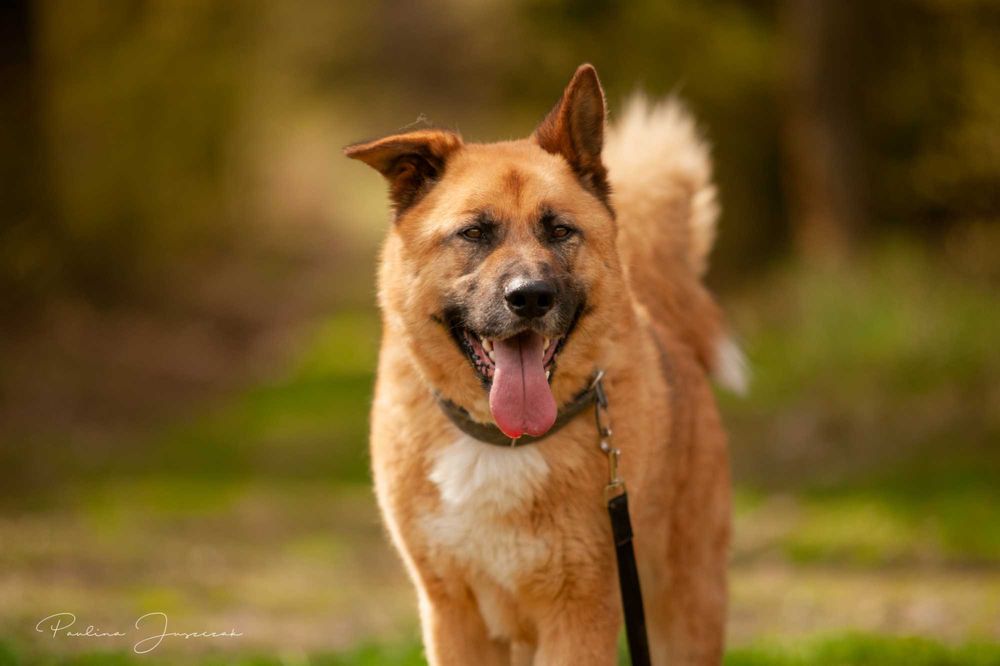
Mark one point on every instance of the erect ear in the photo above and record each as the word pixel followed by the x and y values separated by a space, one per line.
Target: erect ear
pixel 412 162
pixel 575 130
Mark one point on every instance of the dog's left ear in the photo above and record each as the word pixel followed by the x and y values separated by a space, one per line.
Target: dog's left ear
pixel 575 130
pixel 412 162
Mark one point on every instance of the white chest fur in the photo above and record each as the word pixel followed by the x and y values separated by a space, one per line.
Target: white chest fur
pixel 486 493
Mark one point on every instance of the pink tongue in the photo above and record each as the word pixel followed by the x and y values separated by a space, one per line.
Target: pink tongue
pixel 520 399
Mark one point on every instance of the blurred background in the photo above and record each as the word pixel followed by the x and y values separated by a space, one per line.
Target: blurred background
pixel 188 333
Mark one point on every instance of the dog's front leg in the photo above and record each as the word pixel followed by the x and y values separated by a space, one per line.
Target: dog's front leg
pixel 580 634
pixel 455 634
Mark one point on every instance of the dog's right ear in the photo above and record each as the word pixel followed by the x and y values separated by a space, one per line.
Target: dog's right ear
pixel 412 162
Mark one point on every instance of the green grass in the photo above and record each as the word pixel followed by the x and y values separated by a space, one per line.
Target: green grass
pixel 919 512
pixel 867 650
pixel 311 421
pixel 895 325
pixel 843 650
pixel 926 507
pixel 874 404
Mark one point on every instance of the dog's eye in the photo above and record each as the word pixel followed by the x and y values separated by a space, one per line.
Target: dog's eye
pixel 473 233
pixel 561 232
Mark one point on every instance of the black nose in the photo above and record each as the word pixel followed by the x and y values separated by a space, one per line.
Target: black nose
pixel 530 298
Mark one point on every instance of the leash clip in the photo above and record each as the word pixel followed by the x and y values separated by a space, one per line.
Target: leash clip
pixel 616 485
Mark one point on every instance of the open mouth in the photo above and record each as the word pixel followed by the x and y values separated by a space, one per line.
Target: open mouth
pixel 482 352
pixel 517 372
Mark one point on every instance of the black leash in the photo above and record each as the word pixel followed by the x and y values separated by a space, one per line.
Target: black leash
pixel 621 529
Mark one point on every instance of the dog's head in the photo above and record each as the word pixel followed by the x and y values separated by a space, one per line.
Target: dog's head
pixel 500 259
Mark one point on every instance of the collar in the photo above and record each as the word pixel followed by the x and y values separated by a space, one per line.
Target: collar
pixel 491 434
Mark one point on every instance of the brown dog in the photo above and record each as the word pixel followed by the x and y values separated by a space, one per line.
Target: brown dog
pixel 512 272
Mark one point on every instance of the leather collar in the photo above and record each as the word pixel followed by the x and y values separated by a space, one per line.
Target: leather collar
pixel 491 434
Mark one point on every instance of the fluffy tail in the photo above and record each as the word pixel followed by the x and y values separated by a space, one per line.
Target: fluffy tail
pixel 662 191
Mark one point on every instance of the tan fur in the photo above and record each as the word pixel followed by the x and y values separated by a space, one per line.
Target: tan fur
pixel 510 550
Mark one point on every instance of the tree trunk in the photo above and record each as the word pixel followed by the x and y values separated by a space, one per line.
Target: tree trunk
pixel 823 164
pixel 26 222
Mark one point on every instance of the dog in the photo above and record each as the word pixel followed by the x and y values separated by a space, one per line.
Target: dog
pixel 512 273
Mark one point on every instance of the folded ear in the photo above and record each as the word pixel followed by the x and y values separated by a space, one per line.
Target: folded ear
pixel 575 130
pixel 412 162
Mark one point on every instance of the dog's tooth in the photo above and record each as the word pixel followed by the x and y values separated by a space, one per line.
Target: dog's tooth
pixel 547 343
pixel 487 345
pixel 492 356
pixel 548 373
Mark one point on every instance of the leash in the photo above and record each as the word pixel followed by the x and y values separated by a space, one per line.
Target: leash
pixel 621 529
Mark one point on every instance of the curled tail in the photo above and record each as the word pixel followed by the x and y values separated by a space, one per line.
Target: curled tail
pixel 662 190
